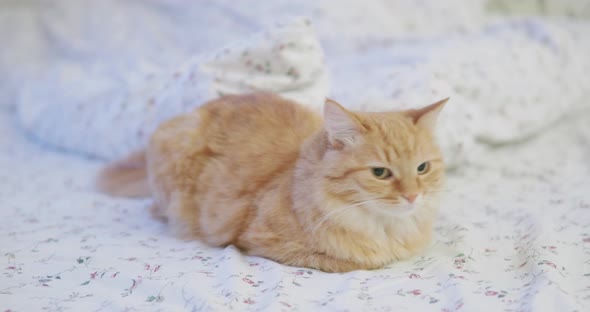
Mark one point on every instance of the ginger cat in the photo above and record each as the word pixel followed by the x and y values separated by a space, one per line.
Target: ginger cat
pixel 352 191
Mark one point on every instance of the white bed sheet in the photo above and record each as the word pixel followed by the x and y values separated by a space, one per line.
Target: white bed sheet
pixel 514 230
pixel 513 236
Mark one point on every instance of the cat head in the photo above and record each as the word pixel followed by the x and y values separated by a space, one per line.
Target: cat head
pixel 386 162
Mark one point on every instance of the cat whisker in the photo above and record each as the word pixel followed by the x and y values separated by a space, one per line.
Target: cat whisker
pixel 327 216
pixel 340 212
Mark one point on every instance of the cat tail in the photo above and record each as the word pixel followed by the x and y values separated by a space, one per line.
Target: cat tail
pixel 126 177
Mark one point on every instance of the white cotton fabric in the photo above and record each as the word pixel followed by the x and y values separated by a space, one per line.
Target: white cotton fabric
pixel 96 77
pixel 512 236
pixel 106 113
pixel 507 79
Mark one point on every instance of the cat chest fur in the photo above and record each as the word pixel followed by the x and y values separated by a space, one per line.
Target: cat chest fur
pixel 373 243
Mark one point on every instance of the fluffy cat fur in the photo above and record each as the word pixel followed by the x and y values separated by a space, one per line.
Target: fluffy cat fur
pixel 279 181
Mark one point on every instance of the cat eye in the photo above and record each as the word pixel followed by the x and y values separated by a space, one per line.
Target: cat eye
pixel 381 173
pixel 424 167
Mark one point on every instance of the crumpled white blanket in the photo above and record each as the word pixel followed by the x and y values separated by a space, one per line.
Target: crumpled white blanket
pixel 508 79
pixel 106 117
pixel 513 232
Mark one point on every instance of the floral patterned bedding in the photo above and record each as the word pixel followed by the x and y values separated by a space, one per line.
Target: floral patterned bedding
pixel 512 236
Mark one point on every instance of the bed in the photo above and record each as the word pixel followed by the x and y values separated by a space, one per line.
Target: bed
pixel 513 234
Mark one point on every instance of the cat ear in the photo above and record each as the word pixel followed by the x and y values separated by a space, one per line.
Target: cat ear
pixel 342 126
pixel 426 117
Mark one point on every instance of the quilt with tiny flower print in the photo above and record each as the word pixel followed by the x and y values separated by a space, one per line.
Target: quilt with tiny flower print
pixel 513 235
pixel 514 226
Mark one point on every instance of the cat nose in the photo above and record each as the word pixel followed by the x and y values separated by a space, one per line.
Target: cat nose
pixel 410 198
